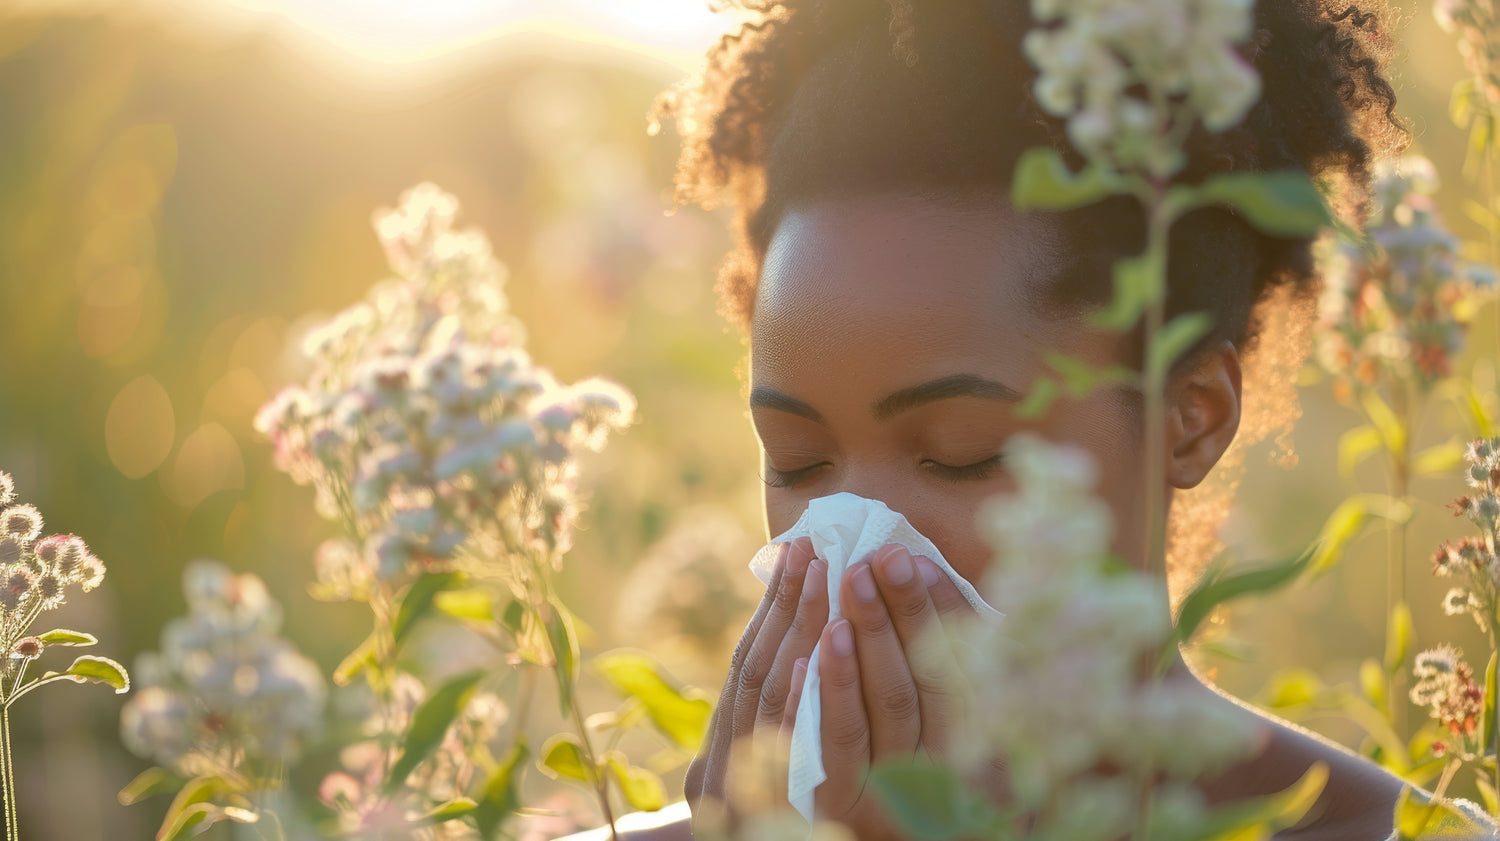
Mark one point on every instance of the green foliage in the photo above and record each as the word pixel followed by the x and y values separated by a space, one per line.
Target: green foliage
pixel 1348 520
pixel 1284 204
pixel 62 636
pixel 1175 339
pixel 682 717
pixel 429 724
pixel 92 669
pixel 1137 282
pixel 564 757
pixel 564 641
pixel 931 803
pixel 418 601
pixel 1219 587
pixel 1044 182
pixel 501 795
pixel 1398 639
pixel 642 788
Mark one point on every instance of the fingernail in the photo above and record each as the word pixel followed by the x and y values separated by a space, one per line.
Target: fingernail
pixel 898 568
pixel 816 584
pixel 799 671
pixel 930 573
pixel 843 638
pixel 864 583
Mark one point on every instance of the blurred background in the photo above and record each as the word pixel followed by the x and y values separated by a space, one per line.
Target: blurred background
pixel 185 186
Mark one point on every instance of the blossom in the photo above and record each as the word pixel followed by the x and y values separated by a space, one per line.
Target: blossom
pixel 1062 671
pixel 425 425
pixel 23 522
pixel 1445 685
pixel 36 571
pixel 1129 75
pixel 1397 307
pixel 1473 559
pixel 224 688
pixel 7 488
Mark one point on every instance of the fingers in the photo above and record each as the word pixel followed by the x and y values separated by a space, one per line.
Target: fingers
pixel 793 698
pixel 801 636
pixel 890 694
pixel 846 730
pixel 906 583
pixel 705 775
pixel 761 654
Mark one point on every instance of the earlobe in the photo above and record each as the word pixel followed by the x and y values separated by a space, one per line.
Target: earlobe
pixel 1203 415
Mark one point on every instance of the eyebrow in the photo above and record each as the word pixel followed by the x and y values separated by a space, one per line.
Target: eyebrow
pixel 943 388
pixel 762 397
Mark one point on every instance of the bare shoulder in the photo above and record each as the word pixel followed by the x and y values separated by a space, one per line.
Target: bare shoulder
pixel 673 823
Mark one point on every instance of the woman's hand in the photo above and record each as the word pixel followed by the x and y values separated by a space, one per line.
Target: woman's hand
pixel 881 699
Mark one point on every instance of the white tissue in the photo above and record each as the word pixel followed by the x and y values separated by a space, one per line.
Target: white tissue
pixel 845 530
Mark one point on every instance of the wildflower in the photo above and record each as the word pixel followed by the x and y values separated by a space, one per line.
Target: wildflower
pixel 7 489
pixel 19 582
pixel 1129 75
pixel 11 550
pixel 49 590
pixel 23 522
pixel 1062 669
pixel 90 573
pixel 1397 307
pixel 27 647
pixel 1446 686
pixel 224 688
pixel 1459 601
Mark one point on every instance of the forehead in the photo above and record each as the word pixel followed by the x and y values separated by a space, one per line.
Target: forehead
pixel 910 282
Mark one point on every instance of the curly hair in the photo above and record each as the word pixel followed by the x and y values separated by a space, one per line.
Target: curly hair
pixel 817 98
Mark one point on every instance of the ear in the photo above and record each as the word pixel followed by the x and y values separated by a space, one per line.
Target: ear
pixel 1203 414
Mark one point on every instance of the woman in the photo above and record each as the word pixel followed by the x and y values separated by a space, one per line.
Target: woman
pixel 897 308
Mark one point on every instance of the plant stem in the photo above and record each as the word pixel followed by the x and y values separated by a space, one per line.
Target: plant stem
pixel 601 783
pixel 1400 462
pixel 12 828
pixel 1154 386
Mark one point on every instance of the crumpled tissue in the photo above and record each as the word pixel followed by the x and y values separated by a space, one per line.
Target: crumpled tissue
pixel 845 530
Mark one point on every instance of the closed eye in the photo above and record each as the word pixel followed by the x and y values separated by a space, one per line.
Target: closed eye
pixel 791 478
pixel 974 472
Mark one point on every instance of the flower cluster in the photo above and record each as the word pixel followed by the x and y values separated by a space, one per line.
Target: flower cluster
pixel 35 573
pixel 1473 560
pixel 1446 687
pixel 424 422
pixel 1063 671
pixel 1132 77
pixel 224 689
pixel 1397 307
pixel 1478 28
pixel 454 767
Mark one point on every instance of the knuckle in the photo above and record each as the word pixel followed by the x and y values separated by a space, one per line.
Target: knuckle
pixel 899 701
pixel 848 737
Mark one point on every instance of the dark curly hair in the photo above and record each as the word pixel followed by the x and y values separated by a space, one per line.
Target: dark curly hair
pixel 819 98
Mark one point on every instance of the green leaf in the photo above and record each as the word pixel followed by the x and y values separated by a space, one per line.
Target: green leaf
pixel 563 757
pixel 643 790
pixel 1397 639
pixel 1264 816
pixel 429 724
pixel 1293 688
pixel 1044 390
pixel 1137 282
pixel 418 601
pixel 62 636
pixel 149 783
pixel 1044 182
pixel 1348 520
pixel 186 810
pixel 1285 203
pixel 1355 446
pixel 188 822
pixel 1372 680
pixel 1488 794
pixel 564 641
pixel 473 605
pixel 93 669
pixel 1080 377
pixel 452 810
pixel 1176 338
pixel 512 617
pixel 931 803
pixel 1438 459
pixel 1392 430
pixel 1414 811
pixel 1221 588
pixel 501 794
pixel 1488 727
pixel 682 715
pixel 357 661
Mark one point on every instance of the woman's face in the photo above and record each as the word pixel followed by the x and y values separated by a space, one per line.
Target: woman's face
pixel 892 340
